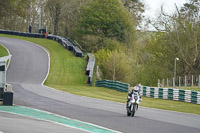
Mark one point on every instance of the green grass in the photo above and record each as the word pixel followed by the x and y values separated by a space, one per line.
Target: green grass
pixel 67 74
pixel 171 105
pixel 65 68
pixel 190 88
pixel 3 51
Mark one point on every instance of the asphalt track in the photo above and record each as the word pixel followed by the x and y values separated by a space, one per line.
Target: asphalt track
pixel 11 123
pixel 28 69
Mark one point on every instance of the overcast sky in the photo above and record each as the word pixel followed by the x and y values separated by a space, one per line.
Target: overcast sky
pixel 153 6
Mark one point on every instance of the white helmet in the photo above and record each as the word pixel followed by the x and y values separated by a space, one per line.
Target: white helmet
pixel 136 88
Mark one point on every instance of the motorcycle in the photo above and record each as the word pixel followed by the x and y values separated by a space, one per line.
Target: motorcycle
pixel 133 104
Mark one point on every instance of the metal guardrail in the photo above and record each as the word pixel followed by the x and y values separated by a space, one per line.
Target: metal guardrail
pixel 171 94
pixel 90 67
pixel 116 85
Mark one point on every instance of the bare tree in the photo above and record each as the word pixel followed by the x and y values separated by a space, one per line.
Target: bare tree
pixel 55 8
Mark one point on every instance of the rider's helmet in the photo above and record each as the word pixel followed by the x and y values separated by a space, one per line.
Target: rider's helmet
pixel 136 88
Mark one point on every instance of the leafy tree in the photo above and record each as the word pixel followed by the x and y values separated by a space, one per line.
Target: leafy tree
pixel 113 64
pixel 179 38
pixel 13 14
pixel 71 16
pixel 183 35
pixel 136 8
pixel 55 10
pixel 103 19
pixel 158 61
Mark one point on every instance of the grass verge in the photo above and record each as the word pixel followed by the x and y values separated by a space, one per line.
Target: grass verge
pixel 66 69
pixel 189 88
pixel 67 74
pixel 3 51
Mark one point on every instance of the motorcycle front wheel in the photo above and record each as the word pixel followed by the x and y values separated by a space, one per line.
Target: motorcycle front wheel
pixel 133 110
pixel 128 112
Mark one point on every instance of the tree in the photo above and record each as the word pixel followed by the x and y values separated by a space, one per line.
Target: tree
pixel 179 38
pixel 136 8
pixel 13 14
pixel 71 16
pixel 113 64
pixel 55 10
pixel 183 34
pixel 102 19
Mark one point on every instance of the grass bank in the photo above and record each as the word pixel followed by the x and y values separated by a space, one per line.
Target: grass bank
pixel 67 74
pixel 190 88
pixel 66 69
pixel 3 51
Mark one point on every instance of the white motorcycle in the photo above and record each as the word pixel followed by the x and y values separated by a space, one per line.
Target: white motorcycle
pixel 133 104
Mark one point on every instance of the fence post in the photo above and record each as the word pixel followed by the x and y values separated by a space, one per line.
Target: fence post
pixel 163 84
pixel 192 80
pixel 158 82
pixel 173 82
pixel 167 82
pixel 198 81
pixel 185 81
pixel 179 82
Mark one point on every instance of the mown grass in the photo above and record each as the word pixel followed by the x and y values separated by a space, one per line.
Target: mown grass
pixel 65 68
pixel 3 51
pixel 67 74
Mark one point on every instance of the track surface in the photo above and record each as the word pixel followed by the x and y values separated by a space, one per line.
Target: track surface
pixel 11 123
pixel 27 70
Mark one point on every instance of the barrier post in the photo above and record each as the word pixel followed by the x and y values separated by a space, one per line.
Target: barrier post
pixel 158 82
pixel 185 81
pixel 198 81
pixel 167 82
pixel 192 80
pixel 173 81
pixel 163 83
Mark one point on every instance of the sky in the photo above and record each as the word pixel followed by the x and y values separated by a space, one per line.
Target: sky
pixel 152 7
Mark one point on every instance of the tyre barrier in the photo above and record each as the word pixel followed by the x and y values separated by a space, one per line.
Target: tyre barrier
pixel 116 85
pixel 90 67
pixel 8 95
pixel 171 94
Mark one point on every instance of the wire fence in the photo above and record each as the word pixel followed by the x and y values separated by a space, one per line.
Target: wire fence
pixel 185 81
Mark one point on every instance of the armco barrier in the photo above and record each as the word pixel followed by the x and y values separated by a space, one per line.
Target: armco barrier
pixel 90 67
pixel 171 94
pixel 116 85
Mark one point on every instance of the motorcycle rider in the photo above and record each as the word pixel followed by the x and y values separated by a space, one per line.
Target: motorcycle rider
pixel 134 90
